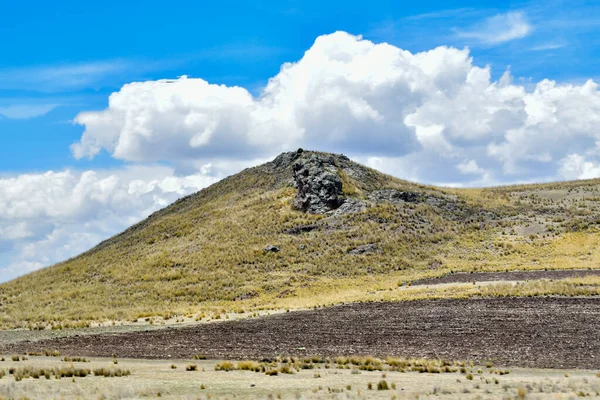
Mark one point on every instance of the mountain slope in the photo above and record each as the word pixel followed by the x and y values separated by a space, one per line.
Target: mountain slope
pixel 342 230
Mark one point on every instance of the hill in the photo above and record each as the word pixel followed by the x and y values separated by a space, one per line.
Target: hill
pixel 308 229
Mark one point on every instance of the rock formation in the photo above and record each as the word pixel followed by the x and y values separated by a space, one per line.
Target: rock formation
pixel 319 185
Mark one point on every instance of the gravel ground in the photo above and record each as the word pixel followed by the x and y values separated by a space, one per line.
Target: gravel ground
pixel 544 332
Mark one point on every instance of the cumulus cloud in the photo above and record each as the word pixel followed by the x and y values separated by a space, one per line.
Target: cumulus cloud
pixel 499 29
pixel 575 166
pixel 52 216
pixel 350 95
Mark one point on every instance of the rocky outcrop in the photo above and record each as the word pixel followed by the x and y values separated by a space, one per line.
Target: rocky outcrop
pixel 350 206
pixel 370 248
pixel 319 185
pixel 394 196
pixel 320 180
pixel 297 230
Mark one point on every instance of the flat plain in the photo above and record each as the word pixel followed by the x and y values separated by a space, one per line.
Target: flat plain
pixel 171 380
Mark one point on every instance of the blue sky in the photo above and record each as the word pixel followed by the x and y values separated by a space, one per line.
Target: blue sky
pixel 69 56
pixel 511 96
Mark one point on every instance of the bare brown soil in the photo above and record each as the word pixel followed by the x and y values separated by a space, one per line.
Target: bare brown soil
pixel 551 332
pixel 463 277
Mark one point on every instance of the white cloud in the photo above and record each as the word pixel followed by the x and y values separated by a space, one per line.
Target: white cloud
pixel 51 78
pixel 25 111
pixel 52 216
pixel 470 167
pixel 575 166
pixel 350 95
pixel 498 29
pixel 549 46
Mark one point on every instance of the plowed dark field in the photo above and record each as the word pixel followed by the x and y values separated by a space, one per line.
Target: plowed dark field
pixel 550 332
pixel 507 276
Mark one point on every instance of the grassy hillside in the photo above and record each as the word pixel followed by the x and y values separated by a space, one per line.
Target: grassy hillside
pixel 204 255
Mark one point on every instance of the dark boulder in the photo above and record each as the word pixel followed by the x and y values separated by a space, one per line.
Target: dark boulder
pixel 370 248
pixel 394 196
pixel 272 249
pixel 319 185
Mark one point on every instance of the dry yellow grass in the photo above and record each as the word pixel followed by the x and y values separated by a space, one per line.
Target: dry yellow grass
pixel 204 254
pixel 338 378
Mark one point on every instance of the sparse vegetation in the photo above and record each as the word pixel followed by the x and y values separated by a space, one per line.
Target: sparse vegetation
pixel 76 359
pixel 58 372
pixel 175 259
pixel 331 383
pixel 111 372
pixel 287 365
pixel 382 385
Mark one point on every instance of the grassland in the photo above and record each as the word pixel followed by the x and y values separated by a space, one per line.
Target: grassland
pixel 203 257
pixel 320 380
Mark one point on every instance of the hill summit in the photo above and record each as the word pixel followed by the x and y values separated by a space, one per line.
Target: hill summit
pixel 308 228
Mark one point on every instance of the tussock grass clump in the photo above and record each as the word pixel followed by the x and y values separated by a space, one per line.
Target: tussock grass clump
pixel 382 385
pixel 249 366
pixel 111 372
pixel 225 366
pixel 285 369
pixel 355 363
pixel 191 367
pixel 75 359
pixel 15 357
pixel 34 372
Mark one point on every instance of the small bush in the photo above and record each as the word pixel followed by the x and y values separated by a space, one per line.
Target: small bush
pixel 111 372
pixel 191 367
pixel 382 385
pixel 75 359
pixel 224 366
pixel 15 357
pixel 285 369
pixel 249 366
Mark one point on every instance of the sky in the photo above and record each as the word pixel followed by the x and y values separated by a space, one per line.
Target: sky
pixel 112 110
